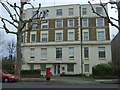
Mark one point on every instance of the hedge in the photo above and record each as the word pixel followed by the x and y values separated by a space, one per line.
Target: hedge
pixel 105 70
pixel 36 71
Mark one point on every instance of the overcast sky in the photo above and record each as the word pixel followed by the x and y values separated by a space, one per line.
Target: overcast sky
pixel 44 3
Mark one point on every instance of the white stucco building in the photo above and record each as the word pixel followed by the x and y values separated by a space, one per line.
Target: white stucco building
pixel 71 40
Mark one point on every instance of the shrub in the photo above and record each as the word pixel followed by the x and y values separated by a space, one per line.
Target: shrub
pixel 105 69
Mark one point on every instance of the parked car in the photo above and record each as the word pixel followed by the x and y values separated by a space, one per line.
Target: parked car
pixel 6 77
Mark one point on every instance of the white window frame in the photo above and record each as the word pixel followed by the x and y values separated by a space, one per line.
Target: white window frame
pixel 31 36
pixel 56 53
pixel 32 53
pixel 97 22
pixel 101 30
pixel 56 23
pixel 101 50
pixel 71 53
pixel 44 32
pixel 86 71
pixel 73 35
pixel 68 68
pixel 70 11
pixel 43 53
pixel 85 30
pixel 87 52
pixel 69 23
pixel 83 23
pixel 59 31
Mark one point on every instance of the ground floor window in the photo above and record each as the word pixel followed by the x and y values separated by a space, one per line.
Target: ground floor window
pixel 31 66
pixel 86 66
pixel 70 67
pixel 43 67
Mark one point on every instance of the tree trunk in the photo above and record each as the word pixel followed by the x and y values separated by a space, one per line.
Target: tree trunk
pixel 18 63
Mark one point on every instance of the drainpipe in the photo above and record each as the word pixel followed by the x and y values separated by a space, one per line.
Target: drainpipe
pixel 81 41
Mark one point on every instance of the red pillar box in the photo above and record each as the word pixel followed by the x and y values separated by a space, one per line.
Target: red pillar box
pixel 47 73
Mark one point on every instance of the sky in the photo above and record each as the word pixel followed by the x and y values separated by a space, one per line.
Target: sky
pixel 44 3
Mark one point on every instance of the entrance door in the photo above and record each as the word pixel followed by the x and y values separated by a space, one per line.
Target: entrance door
pixel 56 69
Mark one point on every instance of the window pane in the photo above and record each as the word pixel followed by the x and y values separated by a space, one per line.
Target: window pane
pixel 31 66
pixel 59 24
pixel 34 26
pixel 84 11
pixel 44 37
pixel 33 13
pixel 33 37
pixel 85 22
pixel 100 22
pixel 44 25
pixel 71 52
pixel 86 67
pixel 32 53
pixel 101 52
pixel 85 34
pixel 101 35
pixel 71 11
pixel 59 12
pixel 99 10
pixel 70 67
pixel 58 36
pixel 43 67
pixel 71 35
pixel 86 52
pixel 58 52
pixel 71 23
pixel 43 53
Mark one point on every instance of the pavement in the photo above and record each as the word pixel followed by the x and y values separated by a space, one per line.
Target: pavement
pixel 71 80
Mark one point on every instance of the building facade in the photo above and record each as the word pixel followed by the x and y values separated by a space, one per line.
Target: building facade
pixel 70 40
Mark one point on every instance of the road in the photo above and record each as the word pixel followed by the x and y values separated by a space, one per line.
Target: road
pixel 54 84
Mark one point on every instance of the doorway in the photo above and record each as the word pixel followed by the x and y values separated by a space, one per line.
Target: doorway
pixel 56 70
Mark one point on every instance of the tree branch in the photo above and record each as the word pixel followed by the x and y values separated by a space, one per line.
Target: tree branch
pixel 24 24
pixel 103 6
pixel 6 29
pixel 37 12
pixel 7 9
pixel 95 11
pixel 9 22
pixel 30 4
pixel 14 7
pixel 115 19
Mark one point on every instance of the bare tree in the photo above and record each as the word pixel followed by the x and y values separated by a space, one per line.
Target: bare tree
pixel 19 23
pixel 108 18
